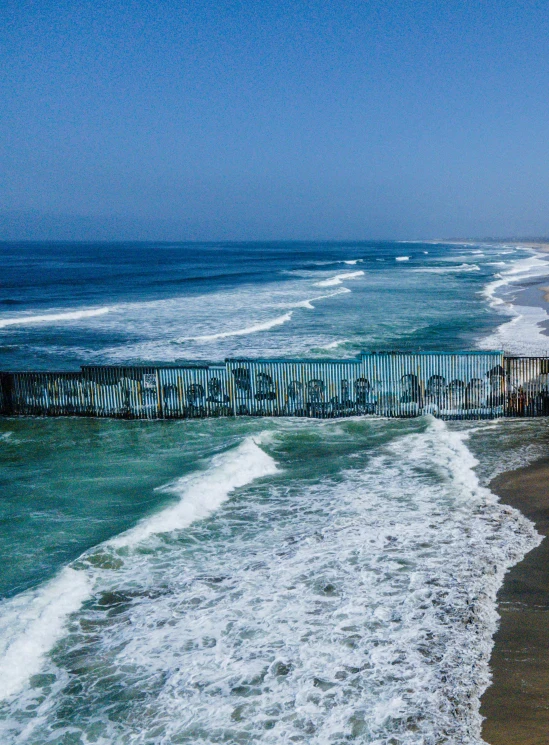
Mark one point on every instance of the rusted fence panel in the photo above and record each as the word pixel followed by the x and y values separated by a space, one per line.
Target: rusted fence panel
pixel 467 385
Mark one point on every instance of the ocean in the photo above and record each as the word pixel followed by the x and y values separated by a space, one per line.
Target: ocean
pixel 256 580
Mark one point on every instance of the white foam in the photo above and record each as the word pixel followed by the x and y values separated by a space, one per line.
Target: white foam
pixel 402 258
pixel 203 493
pixel 338 279
pixel 523 334
pixel 32 622
pixel 520 270
pixel 334 344
pixel 309 303
pixel 375 592
pixel 448 269
pixel 352 262
pixel 348 607
pixel 73 315
pixel 254 329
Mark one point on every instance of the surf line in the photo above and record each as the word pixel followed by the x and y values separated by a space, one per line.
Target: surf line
pixel 74 315
pixel 309 303
pixel 32 622
pixel 274 322
pixel 265 326
pixel 203 493
pixel 338 279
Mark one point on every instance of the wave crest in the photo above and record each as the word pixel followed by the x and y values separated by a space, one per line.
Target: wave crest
pixel 201 494
pixel 256 328
pixel 73 315
pixel 338 279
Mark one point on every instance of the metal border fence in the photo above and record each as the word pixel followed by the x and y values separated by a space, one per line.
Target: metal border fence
pixel 464 385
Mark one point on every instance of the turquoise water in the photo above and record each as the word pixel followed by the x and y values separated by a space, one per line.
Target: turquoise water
pixel 243 581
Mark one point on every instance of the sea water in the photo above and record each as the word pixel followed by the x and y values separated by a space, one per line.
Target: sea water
pixel 254 580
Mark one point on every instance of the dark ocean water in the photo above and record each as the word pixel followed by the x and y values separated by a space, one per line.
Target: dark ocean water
pixel 65 304
pixel 244 581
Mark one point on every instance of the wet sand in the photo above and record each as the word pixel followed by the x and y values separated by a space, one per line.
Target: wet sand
pixel 516 706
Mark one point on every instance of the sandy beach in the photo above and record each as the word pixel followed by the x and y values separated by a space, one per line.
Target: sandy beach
pixel 516 706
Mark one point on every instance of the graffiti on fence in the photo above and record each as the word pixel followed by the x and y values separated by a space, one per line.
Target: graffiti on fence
pixel 468 385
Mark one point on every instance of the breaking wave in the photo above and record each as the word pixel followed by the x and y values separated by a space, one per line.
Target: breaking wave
pixel 203 493
pixel 338 279
pixel 309 303
pixel 448 269
pixel 358 607
pixel 523 333
pixel 74 315
pixel 521 270
pixel 32 622
pixel 334 344
pixel 256 328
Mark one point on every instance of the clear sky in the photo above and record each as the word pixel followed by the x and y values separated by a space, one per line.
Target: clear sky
pixel 301 119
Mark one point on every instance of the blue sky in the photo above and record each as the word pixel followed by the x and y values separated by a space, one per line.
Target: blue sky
pixel 263 120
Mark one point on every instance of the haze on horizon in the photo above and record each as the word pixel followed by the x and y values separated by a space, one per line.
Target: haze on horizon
pixel 273 120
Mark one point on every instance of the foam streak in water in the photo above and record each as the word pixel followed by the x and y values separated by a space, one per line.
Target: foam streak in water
pixel 448 269
pixel 75 315
pixel 265 326
pixel 338 279
pixel 334 344
pixel 309 303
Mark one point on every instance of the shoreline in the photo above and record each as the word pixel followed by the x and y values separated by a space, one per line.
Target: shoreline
pixel 530 293
pixel 516 705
